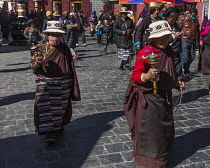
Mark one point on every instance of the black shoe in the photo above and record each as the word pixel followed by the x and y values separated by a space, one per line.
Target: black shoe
pixel 61 130
pixel 50 137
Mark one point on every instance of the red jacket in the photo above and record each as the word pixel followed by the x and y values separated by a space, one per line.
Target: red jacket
pixel 142 65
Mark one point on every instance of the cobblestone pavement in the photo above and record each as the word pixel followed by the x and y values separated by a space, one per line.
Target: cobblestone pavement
pixel 98 135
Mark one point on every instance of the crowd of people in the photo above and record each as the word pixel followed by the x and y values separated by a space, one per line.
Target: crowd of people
pixel 164 43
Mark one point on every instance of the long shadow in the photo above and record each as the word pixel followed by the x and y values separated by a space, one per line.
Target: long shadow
pixel 9 49
pixel 15 70
pixel 187 145
pixel 16 98
pixel 193 95
pixel 92 56
pixel 18 64
pixel 84 50
pixel 70 150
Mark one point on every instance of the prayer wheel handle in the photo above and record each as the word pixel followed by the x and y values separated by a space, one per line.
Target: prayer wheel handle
pixel 153 60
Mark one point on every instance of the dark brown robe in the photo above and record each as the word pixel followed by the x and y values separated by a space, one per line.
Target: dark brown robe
pixel 59 63
pixel 150 116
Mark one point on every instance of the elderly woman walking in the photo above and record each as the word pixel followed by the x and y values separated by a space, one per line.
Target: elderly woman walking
pixel 149 108
pixel 56 81
pixel 123 29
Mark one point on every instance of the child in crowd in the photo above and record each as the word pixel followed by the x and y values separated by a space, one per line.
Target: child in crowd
pixel 106 34
pixel 98 33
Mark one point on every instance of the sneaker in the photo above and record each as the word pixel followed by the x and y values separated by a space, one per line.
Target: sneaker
pixel 77 44
pixel 187 75
pixel 84 44
pixel 74 56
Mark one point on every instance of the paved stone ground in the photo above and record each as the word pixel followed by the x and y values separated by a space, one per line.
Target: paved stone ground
pixel 98 135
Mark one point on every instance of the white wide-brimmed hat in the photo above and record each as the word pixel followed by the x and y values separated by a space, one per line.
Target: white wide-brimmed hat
pixel 54 27
pixel 159 29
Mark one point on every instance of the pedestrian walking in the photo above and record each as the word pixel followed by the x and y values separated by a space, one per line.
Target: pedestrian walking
pixel 65 21
pixel 142 32
pixel 98 33
pixel 49 18
pixel 5 25
pixel 81 27
pixel 71 38
pixel 93 22
pixel 123 29
pixel 189 25
pixel 56 81
pixel 205 46
pixel 171 15
pixel 149 111
pixel 32 34
pixel 106 34
pixel 56 16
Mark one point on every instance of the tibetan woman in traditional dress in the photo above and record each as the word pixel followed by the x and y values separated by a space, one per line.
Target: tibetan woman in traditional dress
pixel 150 114
pixel 205 45
pixel 56 81
pixel 123 29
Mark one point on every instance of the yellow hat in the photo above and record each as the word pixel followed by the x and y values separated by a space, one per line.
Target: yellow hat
pixel 48 13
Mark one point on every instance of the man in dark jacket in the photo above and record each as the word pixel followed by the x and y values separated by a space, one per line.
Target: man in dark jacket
pixel 81 27
pixel 189 27
pixel 123 29
pixel 142 32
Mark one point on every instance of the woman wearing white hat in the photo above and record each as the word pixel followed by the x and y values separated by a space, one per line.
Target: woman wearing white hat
pixel 149 110
pixel 56 81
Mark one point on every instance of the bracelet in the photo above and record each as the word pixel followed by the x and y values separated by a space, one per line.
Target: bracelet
pixel 142 78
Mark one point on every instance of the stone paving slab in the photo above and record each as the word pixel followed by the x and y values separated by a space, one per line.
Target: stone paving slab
pixel 97 136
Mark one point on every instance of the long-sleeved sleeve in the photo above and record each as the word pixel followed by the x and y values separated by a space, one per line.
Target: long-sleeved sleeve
pixel 116 27
pixel 141 66
pixel 25 34
pixel 141 30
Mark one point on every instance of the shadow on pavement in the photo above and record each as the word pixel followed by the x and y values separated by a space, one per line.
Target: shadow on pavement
pixel 15 70
pixel 18 64
pixel 192 95
pixel 9 49
pixel 84 50
pixel 187 145
pixel 71 149
pixel 16 98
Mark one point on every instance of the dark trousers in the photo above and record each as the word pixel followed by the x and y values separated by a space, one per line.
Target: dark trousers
pixel 188 55
pixel 99 39
pixel 178 64
pixel 81 33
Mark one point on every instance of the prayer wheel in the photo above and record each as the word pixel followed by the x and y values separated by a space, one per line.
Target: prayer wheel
pixel 21 9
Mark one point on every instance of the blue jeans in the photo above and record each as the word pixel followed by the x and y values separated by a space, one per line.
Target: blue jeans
pixel 188 55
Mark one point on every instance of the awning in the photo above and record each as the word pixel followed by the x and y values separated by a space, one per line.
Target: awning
pixel 130 1
pixel 183 1
pixel 141 1
pixel 135 1
pixel 148 1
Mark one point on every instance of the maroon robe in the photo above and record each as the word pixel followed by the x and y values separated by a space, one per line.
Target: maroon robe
pixel 150 116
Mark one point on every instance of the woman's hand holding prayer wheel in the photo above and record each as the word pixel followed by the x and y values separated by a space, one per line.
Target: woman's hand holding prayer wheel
pixel 151 74
pixel 39 59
